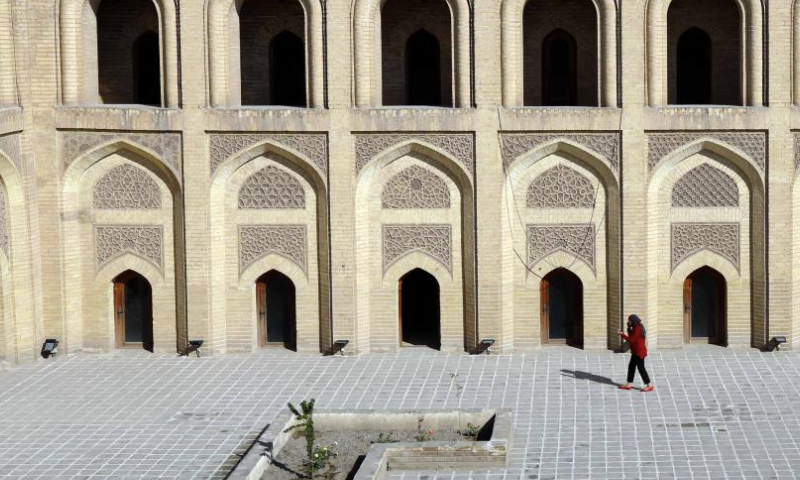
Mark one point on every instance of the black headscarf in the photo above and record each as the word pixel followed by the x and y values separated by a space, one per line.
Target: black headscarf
pixel 635 320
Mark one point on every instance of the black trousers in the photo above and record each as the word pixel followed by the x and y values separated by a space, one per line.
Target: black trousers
pixel 637 362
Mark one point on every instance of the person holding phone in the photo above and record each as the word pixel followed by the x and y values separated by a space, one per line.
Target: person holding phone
pixel 636 338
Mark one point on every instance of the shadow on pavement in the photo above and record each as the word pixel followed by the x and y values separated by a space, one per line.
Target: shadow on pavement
pixel 578 375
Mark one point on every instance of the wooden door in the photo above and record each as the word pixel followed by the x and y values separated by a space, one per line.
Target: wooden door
pixel 687 310
pixel 261 307
pixel 119 312
pixel 544 299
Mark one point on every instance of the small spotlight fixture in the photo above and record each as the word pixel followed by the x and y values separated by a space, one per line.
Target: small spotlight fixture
pixel 483 346
pixel 194 346
pixel 337 346
pixel 49 347
pixel 775 343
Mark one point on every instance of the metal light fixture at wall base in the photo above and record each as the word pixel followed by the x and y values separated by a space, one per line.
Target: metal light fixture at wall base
pixel 49 347
pixel 194 346
pixel 483 346
pixel 337 347
pixel 774 343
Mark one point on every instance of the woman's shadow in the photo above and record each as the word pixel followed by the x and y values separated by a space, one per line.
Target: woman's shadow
pixel 578 375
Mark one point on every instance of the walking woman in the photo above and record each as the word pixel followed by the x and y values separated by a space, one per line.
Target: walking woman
pixel 636 338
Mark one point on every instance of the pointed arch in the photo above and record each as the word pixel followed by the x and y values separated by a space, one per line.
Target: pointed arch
pixel 751 28
pixel 220 53
pixel 366 38
pixel 512 47
pixel 79 70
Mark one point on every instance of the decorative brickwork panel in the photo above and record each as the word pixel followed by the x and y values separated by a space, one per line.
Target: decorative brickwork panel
pixel 561 187
pixel 257 241
pixel 796 137
pixel 111 241
pixel 459 145
pixel 513 145
pixel 690 238
pixel 660 145
pixel 416 187
pixel 126 187
pixel 271 187
pixel 544 240
pixel 9 145
pixel 705 186
pixel 166 145
pixel 4 224
pixel 313 146
pixel 401 240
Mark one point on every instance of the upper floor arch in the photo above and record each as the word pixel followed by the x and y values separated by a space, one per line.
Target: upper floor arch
pixel 738 63
pixel 596 55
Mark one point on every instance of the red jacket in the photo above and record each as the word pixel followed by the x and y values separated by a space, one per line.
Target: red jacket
pixel 636 341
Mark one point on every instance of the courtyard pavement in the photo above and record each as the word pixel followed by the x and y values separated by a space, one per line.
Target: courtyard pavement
pixel 715 413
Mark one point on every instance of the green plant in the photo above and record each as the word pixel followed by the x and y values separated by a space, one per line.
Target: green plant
pixel 384 438
pixel 305 421
pixel 422 436
pixel 471 431
pixel 321 458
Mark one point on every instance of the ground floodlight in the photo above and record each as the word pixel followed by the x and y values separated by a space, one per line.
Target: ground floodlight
pixel 483 346
pixel 775 343
pixel 338 345
pixel 49 347
pixel 194 345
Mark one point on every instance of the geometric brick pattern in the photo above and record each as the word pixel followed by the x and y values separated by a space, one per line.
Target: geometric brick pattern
pixel 126 187
pixel 513 145
pixel 401 240
pixel 459 145
pixel 705 186
pixel 753 144
pixel 577 240
pixel 257 241
pixel 690 238
pixel 111 241
pixel 416 187
pixel 4 223
pixel 313 146
pixel 166 145
pixel 561 187
pixel 271 187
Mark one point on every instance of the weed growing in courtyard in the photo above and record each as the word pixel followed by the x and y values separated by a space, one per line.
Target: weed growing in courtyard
pixel 422 436
pixel 457 384
pixel 305 421
pixel 471 431
pixel 384 438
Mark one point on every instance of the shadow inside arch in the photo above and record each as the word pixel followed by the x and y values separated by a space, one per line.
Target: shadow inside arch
pixel 578 375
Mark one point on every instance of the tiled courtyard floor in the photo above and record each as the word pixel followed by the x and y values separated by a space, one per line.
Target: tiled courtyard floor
pixel 715 413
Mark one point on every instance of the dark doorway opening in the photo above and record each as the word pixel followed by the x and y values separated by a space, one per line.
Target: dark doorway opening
pixel 277 322
pixel 559 69
pixel 287 70
pixel 423 70
pixel 133 311
pixel 694 68
pixel 561 297
pixel 146 70
pixel 704 307
pixel 419 309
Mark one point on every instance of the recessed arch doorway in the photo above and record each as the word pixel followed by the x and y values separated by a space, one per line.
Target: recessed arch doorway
pixel 561 298
pixel 420 322
pixel 704 307
pixel 277 311
pixel 133 311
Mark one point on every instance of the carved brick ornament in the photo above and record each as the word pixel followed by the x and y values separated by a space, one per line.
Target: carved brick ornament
pixel 4 224
pixel 796 137
pixel 513 145
pixel 459 145
pixel 271 187
pixel 166 145
pixel 690 238
pixel 561 187
pixel 9 145
pixel 401 240
pixel 577 240
pixel 145 241
pixel 313 146
pixel 705 186
pixel 126 187
pixel 659 145
pixel 416 187
pixel 257 241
